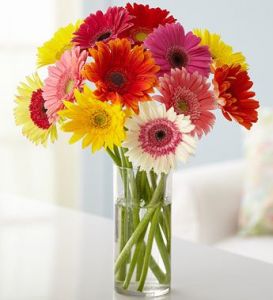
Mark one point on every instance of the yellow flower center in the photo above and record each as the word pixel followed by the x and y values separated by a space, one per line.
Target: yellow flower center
pixel 140 36
pixel 69 86
pixel 100 119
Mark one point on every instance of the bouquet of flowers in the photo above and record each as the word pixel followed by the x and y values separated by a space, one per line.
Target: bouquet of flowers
pixel 133 82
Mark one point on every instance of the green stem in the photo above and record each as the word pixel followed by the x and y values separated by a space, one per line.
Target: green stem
pixel 158 193
pixel 160 276
pixel 153 177
pixel 114 157
pixel 158 273
pixel 140 261
pixel 134 238
pixel 135 259
pixel 167 220
pixel 122 242
pixel 116 151
pixel 163 225
pixel 148 250
pixel 163 251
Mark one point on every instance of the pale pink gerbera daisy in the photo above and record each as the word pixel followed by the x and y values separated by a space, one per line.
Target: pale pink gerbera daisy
pixel 157 138
pixel 102 27
pixel 172 48
pixel 189 95
pixel 63 78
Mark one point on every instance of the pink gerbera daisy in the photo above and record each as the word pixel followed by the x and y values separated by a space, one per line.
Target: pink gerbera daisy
pixel 172 48
pixel 102 27
pixel 189 95
pixel 63 79
pixel 157 138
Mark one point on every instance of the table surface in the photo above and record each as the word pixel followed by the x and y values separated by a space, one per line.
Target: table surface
pixel 53 253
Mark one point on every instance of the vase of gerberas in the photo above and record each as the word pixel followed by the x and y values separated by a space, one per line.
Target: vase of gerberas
pixel 151 101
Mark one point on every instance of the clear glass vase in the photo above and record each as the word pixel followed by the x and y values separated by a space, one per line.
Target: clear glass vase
pixel 142 232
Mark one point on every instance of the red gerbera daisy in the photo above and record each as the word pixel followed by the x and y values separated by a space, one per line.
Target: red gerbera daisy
pixel 122 73
pixel 145 20
pixel 102 27
pixel 232 86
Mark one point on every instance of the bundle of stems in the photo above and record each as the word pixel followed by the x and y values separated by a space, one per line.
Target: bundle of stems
pixel 137 233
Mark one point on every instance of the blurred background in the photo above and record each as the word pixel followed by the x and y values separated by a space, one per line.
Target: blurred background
pixel 209 192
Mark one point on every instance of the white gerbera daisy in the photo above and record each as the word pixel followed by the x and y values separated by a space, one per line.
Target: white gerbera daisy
pixel 156 138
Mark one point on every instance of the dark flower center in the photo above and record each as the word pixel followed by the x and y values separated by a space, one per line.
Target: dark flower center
pixel 160 135
pixel 104 36
pixel 117 79
pixel 37 110
pixel 177 57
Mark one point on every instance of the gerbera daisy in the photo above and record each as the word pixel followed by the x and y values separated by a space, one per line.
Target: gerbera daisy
pixel 232 87
pixel 99 124
pixel 156 138
pixel 102 27
pixel 122 73
pixel 172 48
pixel 52 50
pixel 145 20
pixel 222 53
pixel 31 113
pixel 189 95
pixel 63 79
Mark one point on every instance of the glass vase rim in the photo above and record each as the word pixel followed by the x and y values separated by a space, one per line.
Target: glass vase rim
pixel 140 170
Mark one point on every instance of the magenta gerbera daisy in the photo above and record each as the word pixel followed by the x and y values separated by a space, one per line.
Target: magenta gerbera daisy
pixel 172 48
pixel 190 95
pixel 102 27
pixel 63 78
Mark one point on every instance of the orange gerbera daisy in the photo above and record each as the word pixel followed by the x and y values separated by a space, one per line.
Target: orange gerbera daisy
pixel 122 73
pixel 232 86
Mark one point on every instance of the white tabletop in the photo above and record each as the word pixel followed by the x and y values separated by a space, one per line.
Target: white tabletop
pixel 51 253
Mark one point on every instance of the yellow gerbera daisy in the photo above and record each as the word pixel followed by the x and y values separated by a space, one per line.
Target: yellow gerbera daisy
pixel 52 50
pixel 98 123
pixel 221 52
pixel 31 114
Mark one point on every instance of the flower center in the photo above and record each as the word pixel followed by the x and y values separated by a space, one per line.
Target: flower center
pixel 177 57
pixel 183 106
pixel 140 36
pixel 186 102
pixel 69 86
pixel 159 137
pixel 37 110
pixel 117 79
pixel 104 36
pixel 100 119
